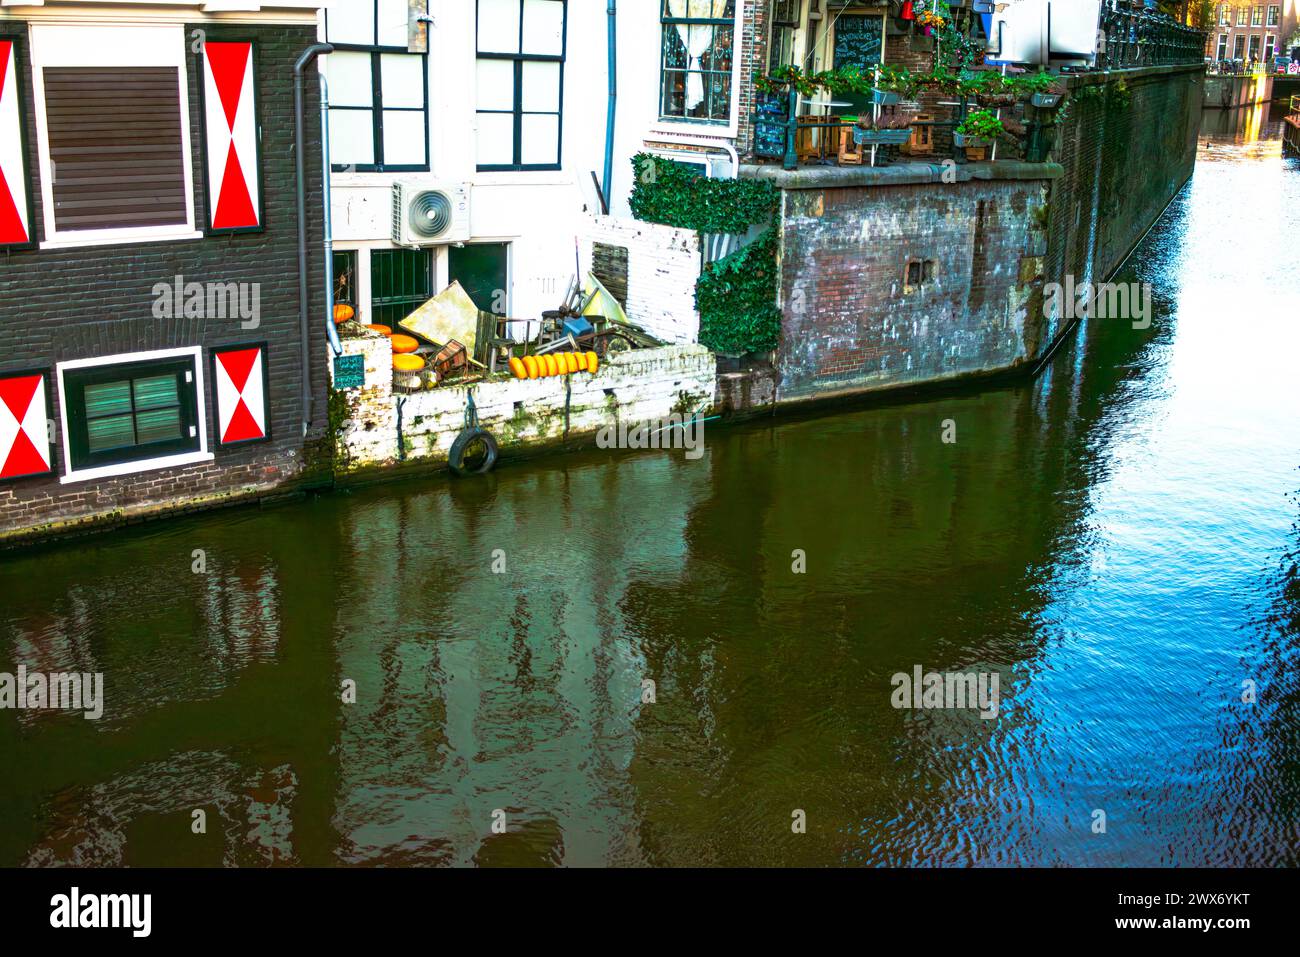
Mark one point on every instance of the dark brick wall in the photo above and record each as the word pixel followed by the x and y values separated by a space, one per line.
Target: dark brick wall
pixel 849 323
pixel 57 305
pixel 1123 165
pixel 852 322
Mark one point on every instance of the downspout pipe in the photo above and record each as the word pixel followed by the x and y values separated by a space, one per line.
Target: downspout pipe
pixel 331 330
pixel 304 329
pixel 612 18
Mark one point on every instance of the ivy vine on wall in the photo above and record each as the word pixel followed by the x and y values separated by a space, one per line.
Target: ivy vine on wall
pixel 736 295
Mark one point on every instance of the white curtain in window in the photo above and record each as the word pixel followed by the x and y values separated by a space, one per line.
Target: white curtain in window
pixel 696 37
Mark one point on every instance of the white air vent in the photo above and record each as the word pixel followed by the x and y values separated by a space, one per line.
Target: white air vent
pixel 427 214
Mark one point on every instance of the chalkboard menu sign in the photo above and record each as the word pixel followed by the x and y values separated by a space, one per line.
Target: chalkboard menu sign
pixel 349 372
pixel 859 40
pixel 770 124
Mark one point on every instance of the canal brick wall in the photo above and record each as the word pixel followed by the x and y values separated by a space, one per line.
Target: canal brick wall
pixel 377 430
pixel 60 304
pixel 905 275
pixel 985 238
pixel 1126 151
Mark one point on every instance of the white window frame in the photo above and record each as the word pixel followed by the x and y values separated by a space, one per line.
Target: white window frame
pixel 1270 46
pixel 110 45
pixel 1274 16
pixel 729 130
pixel 203 454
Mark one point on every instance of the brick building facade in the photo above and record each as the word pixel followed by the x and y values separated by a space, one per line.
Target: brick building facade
pixel 153 308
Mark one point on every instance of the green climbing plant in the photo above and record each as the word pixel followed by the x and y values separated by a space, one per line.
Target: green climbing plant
pixel 735 295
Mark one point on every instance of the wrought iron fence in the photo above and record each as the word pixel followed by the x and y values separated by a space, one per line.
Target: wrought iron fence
pixel 1131 36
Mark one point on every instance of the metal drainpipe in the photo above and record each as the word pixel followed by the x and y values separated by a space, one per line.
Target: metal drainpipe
pixel 331 330
pixel 612 15
pixel 304 329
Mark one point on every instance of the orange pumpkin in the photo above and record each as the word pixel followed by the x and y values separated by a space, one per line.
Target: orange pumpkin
pixel 343 312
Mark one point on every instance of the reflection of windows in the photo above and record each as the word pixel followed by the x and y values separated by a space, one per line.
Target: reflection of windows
pixel 1243 16
pixel 520 83
pixel 378 91
pixel 1270 44
pixel 1225 15
pixel 126 412
pixel 1254 46
pixel 785 19
pixel 1223 47
pixel 1257 16
pixel 1274 12
pixel 1239 46
pixel 697 50
pixel 400 281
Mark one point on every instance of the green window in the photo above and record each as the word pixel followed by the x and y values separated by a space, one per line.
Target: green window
pixel 400 280
pixel 131 411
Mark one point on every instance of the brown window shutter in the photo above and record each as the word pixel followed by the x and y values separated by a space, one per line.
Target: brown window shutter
pixel 115 146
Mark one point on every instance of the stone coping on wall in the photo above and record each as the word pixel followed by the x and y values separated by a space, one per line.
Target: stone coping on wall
pixel 900 174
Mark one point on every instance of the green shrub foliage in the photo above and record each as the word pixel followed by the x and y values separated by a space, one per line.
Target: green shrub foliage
pixel 673 194
pixel 736 297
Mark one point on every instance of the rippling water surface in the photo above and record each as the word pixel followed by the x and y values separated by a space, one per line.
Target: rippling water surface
pixel 1117 541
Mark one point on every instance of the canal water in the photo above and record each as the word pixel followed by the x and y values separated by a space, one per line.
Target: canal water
pixel 1116 541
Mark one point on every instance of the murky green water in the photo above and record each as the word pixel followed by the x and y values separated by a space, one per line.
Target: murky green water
pixel 1116 541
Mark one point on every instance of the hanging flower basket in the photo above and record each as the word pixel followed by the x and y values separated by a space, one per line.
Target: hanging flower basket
pixel 967 141
pixel 1045 101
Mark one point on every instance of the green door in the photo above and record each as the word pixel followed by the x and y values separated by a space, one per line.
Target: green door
pixel 481 269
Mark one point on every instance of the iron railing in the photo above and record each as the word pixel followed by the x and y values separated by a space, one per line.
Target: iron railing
pixel 1134 37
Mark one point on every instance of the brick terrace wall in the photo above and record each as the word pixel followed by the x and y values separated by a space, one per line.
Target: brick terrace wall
pixel 663 264
pixel 1122 168
pixel 850 321
pixel 58 305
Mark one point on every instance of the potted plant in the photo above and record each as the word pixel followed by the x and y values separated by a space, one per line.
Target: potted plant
pixel 977 132
pixel 1050 97
pixel 894 130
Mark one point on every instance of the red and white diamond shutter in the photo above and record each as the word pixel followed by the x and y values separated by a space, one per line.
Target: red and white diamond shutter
pixel 241 394
pixel 15 220
pixel 24 434
pixel 230 135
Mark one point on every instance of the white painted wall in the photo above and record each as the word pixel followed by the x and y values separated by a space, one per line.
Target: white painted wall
pixel 540 214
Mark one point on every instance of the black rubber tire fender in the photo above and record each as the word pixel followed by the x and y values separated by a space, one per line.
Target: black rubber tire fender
pixel 456 457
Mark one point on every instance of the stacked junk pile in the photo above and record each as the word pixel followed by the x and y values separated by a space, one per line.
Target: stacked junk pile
pixel 450 341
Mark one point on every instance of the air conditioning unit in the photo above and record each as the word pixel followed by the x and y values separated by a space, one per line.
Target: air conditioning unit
pixel 1045 32
pixel 429 214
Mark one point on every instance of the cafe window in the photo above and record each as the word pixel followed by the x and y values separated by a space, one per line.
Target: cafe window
pixel 129 414
pixel 519 84
pixel 785 20
pixel 698 37
pixel 379 93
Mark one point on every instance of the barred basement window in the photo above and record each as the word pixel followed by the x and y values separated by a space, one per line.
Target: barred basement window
pixel 520 83
pixel 131 411
pixel 697 56
pixel 400 281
